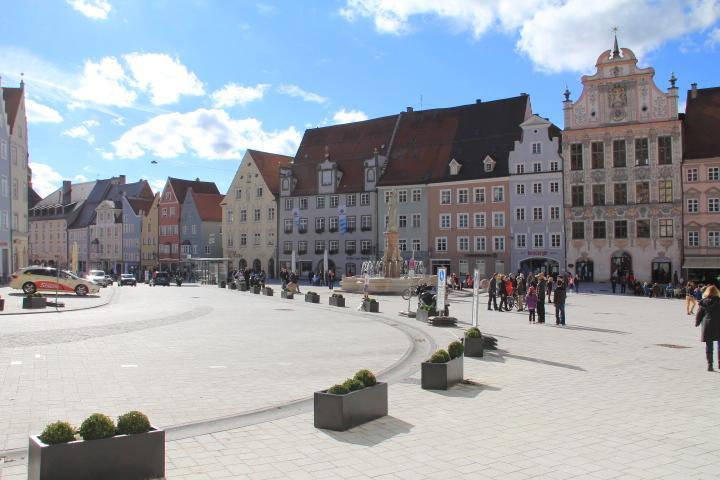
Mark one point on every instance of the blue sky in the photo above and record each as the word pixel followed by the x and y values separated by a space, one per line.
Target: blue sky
pixel 114 84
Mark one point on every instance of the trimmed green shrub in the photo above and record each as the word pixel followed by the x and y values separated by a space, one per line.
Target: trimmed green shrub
pixel 366 377
pixel 97 426
pixel 353 384
pixel 338 390
pixel 337 295
pixel 456 349
pixel 473 332
pixel 311 293
pixel 427 308
pixel 132 423
pixel 440 356
pixel 57 432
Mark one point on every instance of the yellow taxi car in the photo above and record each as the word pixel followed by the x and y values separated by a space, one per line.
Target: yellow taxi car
pixel 34 279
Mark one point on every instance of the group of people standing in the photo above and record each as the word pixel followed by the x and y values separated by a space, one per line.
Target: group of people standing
pixel 530 292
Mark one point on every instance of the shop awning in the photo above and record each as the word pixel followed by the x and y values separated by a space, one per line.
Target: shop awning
pixel 702 262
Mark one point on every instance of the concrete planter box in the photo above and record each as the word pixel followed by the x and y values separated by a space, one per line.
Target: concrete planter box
pixel 424 315
pixel 441 376
pixel 123 457
pixel 256 290
pixel 337 301
pixel 34 302
pixel 243 287
pixel 343 412
pixel 268 292
pixel 287 295
pixel 310 298
pixel 372 307
pixel 474 346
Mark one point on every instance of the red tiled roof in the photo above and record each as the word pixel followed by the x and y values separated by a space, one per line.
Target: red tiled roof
pixel 702 124
pixel 180 187
pixel 141 205
pixel 208 206
pixel 269 165
pixel 13 98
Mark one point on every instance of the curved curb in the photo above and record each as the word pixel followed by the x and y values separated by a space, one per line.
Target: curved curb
pixel 103 304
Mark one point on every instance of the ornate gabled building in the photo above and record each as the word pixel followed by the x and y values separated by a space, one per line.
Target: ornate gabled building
pixel 623 193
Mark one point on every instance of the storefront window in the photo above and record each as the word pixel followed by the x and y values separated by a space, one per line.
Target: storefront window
pixel 661 272
pixel 585 270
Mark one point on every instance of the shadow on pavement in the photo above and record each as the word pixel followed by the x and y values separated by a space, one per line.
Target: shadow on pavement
pixel 467 389
pixel 50 295
pixel 591 329
pixel 372 433
pixel 499 356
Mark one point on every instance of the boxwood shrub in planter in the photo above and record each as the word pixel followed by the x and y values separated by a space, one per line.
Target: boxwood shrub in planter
pixel 242 286
pixel 256 289
pixel 337 300
pixel 356 401
pixel 444 369
pixel 312 297
pixel 424 312
pixel 34 300
pixel 133 451
pixel 371 305
pixel 287 294
pixel 267 291
pixel 474 342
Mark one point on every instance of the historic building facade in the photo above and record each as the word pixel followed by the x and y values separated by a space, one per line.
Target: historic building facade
pixel 149 239
pixel 106 246
pixel 5 206
pixel 623 191
pixel 537 240
pixel 701 185
pixel 250 212
pixel 134 212
pixel 201 226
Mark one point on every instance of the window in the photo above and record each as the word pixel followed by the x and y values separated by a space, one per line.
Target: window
pixel 288 225
pixel 364 199
pixel 370 175
pixel 441 244
pixel 537 214
pixel 319 246
pixel 693 239
pixel 578 230
pixel 230 216
pixel 555 240
pixel 287 247
pixel 320 202
pixel 536 149
pixel 333 224
pixel 554 213
pixel 319 224
pixel 665 191
pixel 576 156
pixel 445 197
pixel 714 173
pixel 445 221
pixel 402 221
pixel 619 155
pixel 520 189
pixel 463 244
pixel 243 216
pixel 599 229
pixel 641 152
pixel 164 212
pixel 520 214
pixel 554 166
pixel 4 186
pixel 692 205
pixel 402 245
pixel 620 194
pixel 498 194
pixel 621 230
pixel 366 223
pixel 351 224
pixel 462 195
pixel 207 249
pixel 664 150
pixel 598 195
pixel 271 213
pixel 499 244
pixel 416 244
pixel 537 188
pixel 350 200
pixel 350 246
pixel 480 244
pixel 172 211
pixel 243 239
pixel 642 192
pixel 520 169
pixel 256 215
pixel 642 228
pixel 597 155
pixel 479 195
pixel 713 205
pixel 302 247
pixel 479 220
pixel 259 192
pixel 537 167
pixel 463 220
pixel 416 194
pixel 334 201
pixel 498 220
pixel 666 228
pixel 303 203
pixel 538 240
pixel 402 196
pixel 692 175
pixel 326 178
pixel 520 240
pixel 302 228
pixel 554 187
pixel 288 204
pixel 388 195
pixel 256 239
pixel 714 239
pixel 415 220
pixel 577 195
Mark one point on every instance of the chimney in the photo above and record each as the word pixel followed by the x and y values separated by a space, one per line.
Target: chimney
pixel 66 190
pixel 409 109
pixel 478 100
pixel 197 179
pixel 693 90
pixel 121 180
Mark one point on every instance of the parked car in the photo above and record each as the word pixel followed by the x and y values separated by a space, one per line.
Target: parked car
pixel 162 278
pixel 98 277
pixel 109 280
pixel 128 279
pixel 46 279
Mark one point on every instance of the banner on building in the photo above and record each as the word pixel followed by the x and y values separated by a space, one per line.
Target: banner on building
pixel 296 216
pixel 342 220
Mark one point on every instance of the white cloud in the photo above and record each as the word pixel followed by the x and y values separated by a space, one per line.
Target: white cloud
pixel 80 178
pixel 233 94
pixel 39 113
pixel 714 37
pixel 210 134
pixel 163 77
pixel 45 179
pixel 266 9
pixel 156 184
pixel 105 83
pixel 81 132
pixel 547 27
pixel 95 9
pixel 295 91
pixel 347 116
pixel 105 155
pixel 91 123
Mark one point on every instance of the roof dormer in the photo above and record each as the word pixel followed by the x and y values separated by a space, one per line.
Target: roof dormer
pixel 489 164
pixel 455 167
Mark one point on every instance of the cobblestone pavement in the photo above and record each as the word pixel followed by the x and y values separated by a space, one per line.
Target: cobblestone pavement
pixel 621 392
pixel 13 301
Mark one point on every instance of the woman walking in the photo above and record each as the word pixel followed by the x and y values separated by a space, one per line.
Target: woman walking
pixel 531 300
pixel 690 301
pixel 709 317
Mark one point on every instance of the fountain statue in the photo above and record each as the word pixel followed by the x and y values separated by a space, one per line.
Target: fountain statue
pixel 392 260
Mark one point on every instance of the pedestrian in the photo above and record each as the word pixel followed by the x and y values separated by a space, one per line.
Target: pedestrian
pixel 550 285
pixel 709 317
pixel 492 293
pixel 623 282
pixel 531 299
pixel 503 293
pixel 521 290
pixel 613 281
pixel 331 279
pixel 560 296
pixel 541 288
pixel 576 282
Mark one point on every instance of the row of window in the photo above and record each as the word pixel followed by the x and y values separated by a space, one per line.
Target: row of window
pixel 257 239
pixel 165 212
pixel 479 220
pixel 537 167
pixel 642 229
pixel 538 214
pixel 537 188
pixel 713 239
pixel 187 249
pixel 258 193
pixel 693 174
pixel 256 215
pixel 538 240
pixel 462 195
pixel 620 193
pixel 333 247
pixel 332 223
pixel 463 244
pixel 693 205
pixel 402 195
pixel 350 201
pixel 170 230
pixel 620 153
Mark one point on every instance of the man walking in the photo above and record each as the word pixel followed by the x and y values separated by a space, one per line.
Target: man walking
pixel 542 287
pixel 560 295
pixel 613 281
pixel 520 291
pixel 331 279
pixel 492 293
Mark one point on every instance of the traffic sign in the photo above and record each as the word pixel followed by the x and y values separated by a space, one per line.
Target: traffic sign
pixel 441 286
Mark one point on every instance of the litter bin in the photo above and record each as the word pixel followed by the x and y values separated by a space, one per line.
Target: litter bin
pixel 222 284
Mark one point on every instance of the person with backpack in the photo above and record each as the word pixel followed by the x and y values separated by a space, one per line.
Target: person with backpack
pixel 541 288
pixel 492 293
pixel 708 317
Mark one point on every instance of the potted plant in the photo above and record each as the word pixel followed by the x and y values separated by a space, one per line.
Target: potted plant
pixel 337 300
pixel 287 294
pixel 444 368
pixel 371 305
pixel 256 289
pixel 242 285
pixel 312 297
pixel 267 291
pixel 2 303
pixel 132 450
pixel 424 312
pixel 356 401
pixel 34 300
pixel 474 342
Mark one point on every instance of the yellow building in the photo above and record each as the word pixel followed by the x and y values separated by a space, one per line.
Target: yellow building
pixel 149 238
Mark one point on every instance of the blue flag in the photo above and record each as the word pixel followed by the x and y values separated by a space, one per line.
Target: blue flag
pixel 342 220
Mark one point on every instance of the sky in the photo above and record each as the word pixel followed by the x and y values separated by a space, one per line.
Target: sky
pixel 113 85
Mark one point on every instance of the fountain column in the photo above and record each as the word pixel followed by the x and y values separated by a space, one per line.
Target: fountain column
pixel 392 260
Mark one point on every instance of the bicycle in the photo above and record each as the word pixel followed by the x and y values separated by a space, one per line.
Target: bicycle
pixel 408 293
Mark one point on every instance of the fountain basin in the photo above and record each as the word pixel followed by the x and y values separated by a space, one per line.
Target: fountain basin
pixel 356 284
